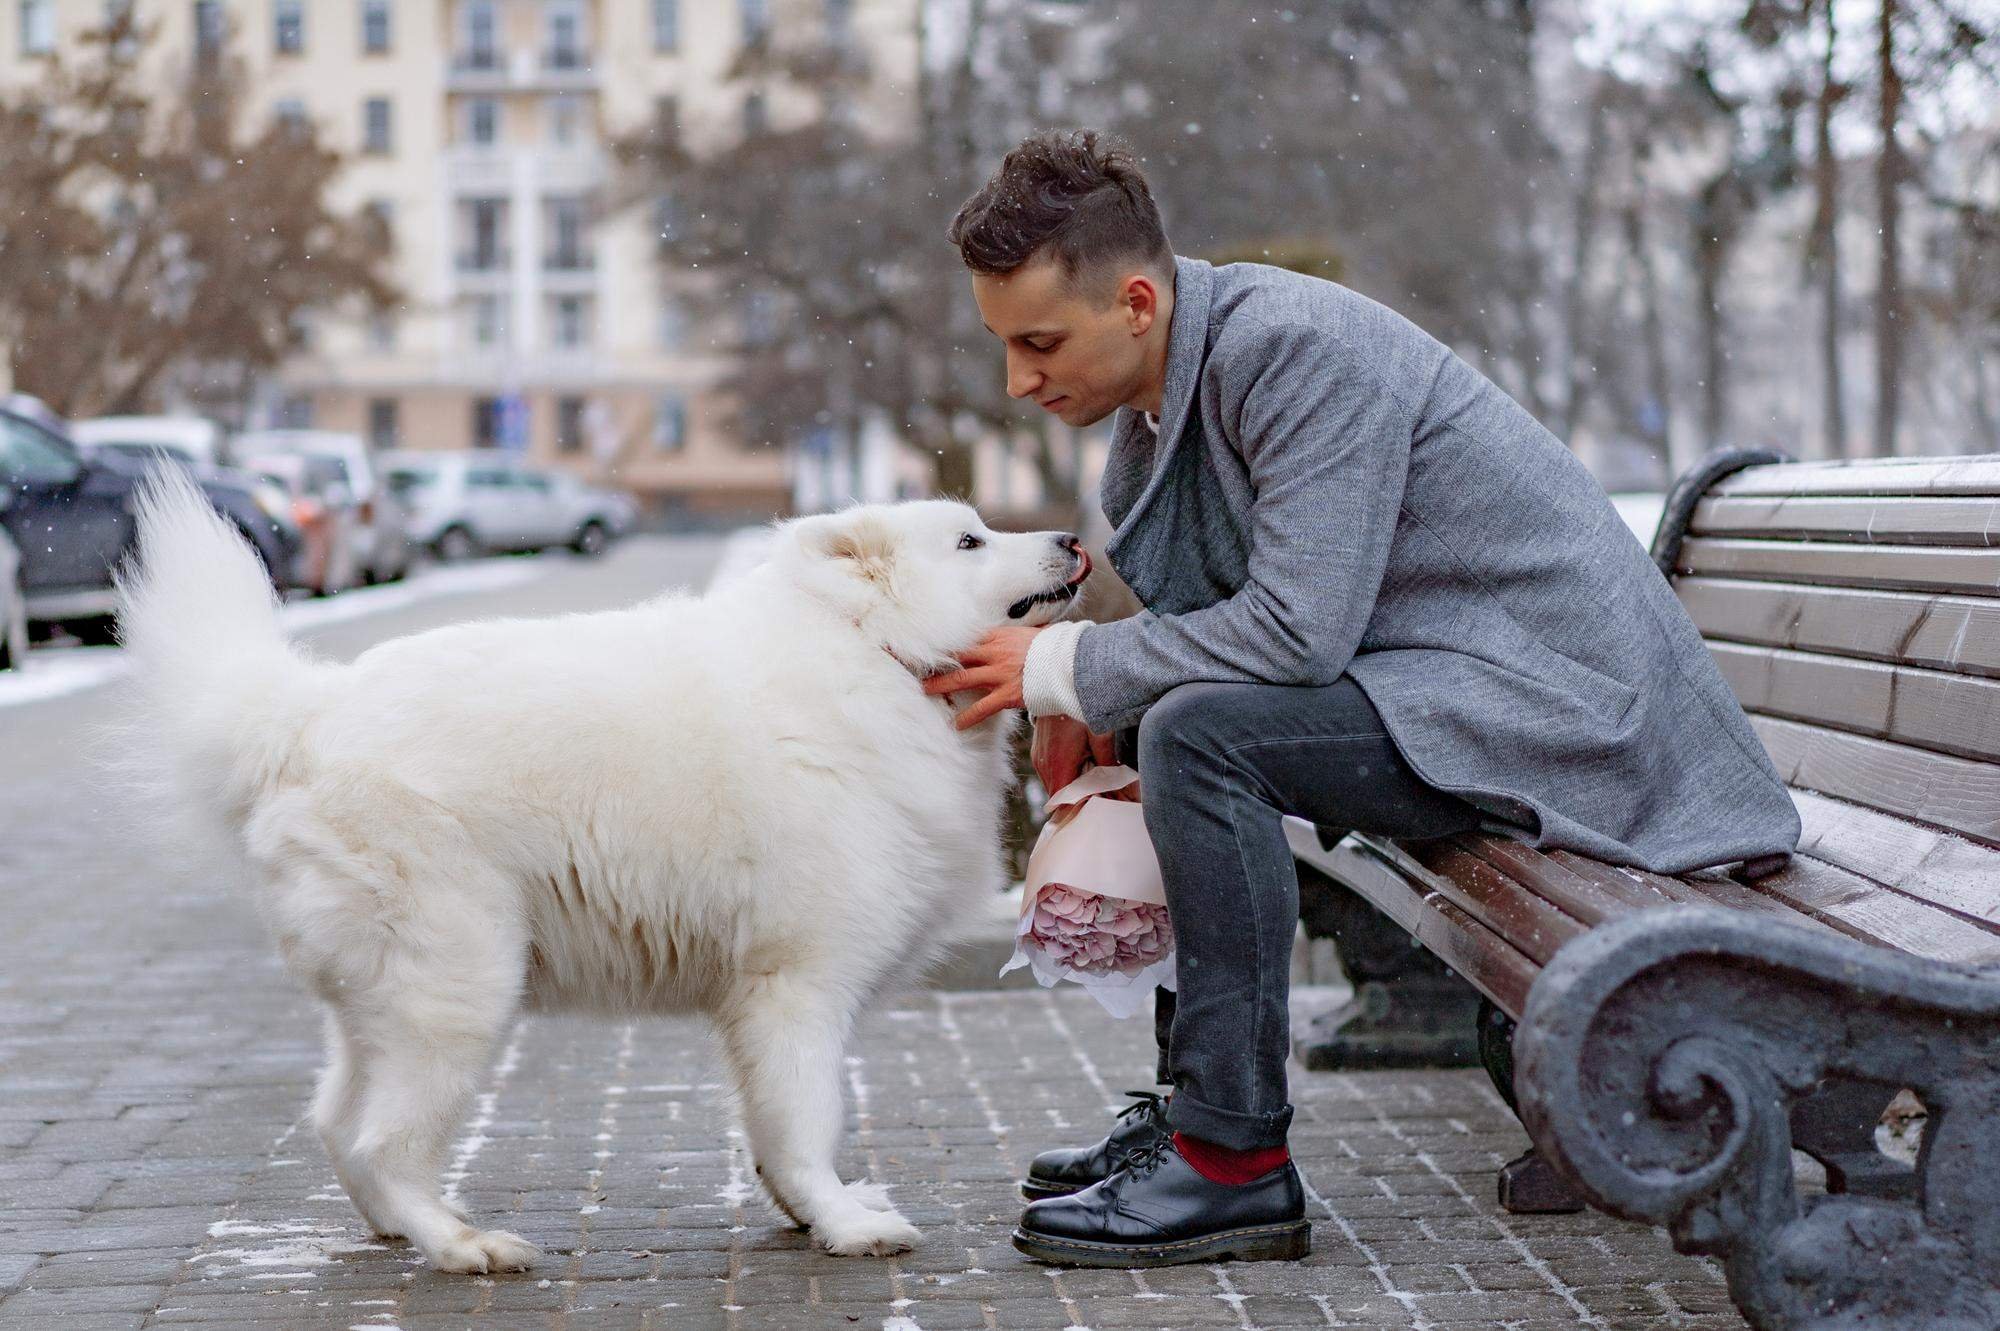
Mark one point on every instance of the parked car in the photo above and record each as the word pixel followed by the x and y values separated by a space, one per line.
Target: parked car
pixel 196 439
pixel 13 603
pixel 69 512
pixel 465 504
pixel 325 512
pixel 382 544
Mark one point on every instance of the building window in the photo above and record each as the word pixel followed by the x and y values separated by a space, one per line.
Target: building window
pixel 666 25
pixel 569 424
pixel 381 331
pixel 565 48
pixel 482 235
pixel 294 412
pixel 375 125
pixel 383 422
pixel 665 130
pixel 209 29
pixel 489 321
pixel 290 115
pixel 118 18
pixel 673 324
pixel 563 221
pixel 565 115
pixel 374 27
pixel 288 19
pixel 756 114
pixel 482 45
pixel 570 326
pixel 670 423
pixel 666 218
pixel 486 422
pixel 756 20
pixel 482 120
pixel 38 27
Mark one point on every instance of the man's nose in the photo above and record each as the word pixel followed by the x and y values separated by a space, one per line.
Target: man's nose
pixel 1021 381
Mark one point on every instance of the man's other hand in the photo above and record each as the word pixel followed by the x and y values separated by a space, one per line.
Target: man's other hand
pixel 1061 745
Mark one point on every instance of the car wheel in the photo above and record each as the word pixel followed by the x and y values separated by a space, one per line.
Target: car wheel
pixel 593 540
pixel 454 544
pixel 96 631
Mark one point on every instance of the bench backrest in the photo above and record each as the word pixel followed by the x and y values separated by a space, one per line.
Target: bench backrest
pixel 1855 610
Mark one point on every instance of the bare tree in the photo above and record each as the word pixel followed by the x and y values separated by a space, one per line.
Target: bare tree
pixel 135 245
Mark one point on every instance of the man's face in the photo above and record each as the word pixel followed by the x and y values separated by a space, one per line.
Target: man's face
pixel 1077 354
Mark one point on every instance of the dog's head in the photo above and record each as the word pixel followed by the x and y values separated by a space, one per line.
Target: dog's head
pixel 927 578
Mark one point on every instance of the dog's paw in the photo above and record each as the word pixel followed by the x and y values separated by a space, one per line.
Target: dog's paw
pixel 478 1252
pixel 870 1194
pixel 867 1234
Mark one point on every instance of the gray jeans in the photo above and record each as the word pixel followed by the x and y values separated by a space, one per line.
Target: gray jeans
pixel 1220 766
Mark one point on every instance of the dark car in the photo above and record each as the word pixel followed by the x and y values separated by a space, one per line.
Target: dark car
pixel 71 515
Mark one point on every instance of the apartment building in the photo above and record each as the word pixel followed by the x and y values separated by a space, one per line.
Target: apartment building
pixel 538 318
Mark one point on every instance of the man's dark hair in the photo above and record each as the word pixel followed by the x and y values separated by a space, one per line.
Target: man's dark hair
pixel 1075 193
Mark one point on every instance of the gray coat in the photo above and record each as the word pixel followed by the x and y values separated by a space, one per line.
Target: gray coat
pixel 1332 492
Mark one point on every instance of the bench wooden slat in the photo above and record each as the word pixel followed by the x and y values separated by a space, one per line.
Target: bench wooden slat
pixel 1953 793
pixel 1861 909
pixel 1958 875
pixel 1843 564
pixel 1929 709
pixel 1952 633
pixel 1718 891
pixel 1882 476
pixel 1488 962
pixel 1582 898
pixel 1875 520
pixel 1530 922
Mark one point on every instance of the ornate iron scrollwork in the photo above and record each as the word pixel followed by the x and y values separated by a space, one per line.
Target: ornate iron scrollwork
pixel 1659 1060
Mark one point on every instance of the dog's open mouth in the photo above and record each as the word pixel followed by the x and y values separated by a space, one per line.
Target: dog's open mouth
pixel 1066 592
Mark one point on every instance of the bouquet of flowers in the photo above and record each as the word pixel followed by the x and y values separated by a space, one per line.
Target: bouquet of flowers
pixel 1093 910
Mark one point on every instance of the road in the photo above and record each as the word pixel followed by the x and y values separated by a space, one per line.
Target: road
pixel 155 1064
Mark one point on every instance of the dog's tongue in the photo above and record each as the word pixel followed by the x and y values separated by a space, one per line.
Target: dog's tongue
pixel 1082 570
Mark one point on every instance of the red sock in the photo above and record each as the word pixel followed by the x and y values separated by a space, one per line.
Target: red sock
pixel 1219 1164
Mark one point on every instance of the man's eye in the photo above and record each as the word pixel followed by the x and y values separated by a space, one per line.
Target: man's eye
pixel 969 542
pixel 1049 347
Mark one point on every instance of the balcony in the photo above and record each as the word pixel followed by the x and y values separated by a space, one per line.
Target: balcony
pixel 491 69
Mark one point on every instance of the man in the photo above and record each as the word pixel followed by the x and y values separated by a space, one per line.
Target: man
pixel 1378 595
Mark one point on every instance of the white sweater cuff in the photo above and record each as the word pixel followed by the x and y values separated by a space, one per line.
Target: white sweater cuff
pixel 1048 676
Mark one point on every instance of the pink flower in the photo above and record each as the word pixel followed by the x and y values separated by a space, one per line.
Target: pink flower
pixel 1098 935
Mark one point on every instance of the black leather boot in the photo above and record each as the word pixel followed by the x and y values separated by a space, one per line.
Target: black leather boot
pixel 1159 1211
pixel 1059 1173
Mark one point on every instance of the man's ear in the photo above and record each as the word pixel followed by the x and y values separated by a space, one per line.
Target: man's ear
pixel 855 535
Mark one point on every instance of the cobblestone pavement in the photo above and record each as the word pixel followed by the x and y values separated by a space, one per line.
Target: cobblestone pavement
pixel 155 1063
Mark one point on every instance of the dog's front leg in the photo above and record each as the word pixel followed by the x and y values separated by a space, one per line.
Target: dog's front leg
pixel 787 1041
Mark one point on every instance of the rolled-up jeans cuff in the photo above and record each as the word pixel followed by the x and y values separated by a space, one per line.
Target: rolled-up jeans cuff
pixel 1227 1127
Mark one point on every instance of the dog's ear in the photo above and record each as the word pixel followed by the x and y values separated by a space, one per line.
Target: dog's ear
pixel 856 535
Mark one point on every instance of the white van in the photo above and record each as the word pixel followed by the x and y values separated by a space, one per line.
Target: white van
pixel 190 438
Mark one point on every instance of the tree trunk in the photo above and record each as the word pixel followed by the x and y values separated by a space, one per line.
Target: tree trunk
pixel 1824 248
pixel 1889 283
pixel 1583 237
pixel 1655 424
pixel 1714 228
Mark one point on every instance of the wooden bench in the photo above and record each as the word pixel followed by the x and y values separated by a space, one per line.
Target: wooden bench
pixel 1668 1040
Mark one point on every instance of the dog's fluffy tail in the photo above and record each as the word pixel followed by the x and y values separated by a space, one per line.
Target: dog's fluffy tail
pixel 217 696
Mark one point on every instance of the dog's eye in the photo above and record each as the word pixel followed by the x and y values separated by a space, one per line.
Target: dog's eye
pixel 969 542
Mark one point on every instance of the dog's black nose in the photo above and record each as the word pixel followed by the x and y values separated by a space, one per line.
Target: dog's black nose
pixel 1068 541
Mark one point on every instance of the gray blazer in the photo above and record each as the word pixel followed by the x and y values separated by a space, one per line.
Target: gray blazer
pixel 1332 492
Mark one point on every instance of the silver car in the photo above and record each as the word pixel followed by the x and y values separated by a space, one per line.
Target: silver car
pixel 463 505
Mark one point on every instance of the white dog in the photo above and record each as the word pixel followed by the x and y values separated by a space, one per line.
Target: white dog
pixel 741 803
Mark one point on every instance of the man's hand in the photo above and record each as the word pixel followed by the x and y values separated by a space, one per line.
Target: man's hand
pixel 994 666
pixel 1061 745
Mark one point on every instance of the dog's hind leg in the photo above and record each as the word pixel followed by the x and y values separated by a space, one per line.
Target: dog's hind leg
pixel 787 1040
pixel 336 1114
pixel 422 1035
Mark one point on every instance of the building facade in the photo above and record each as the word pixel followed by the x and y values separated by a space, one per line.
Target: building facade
pixel 537 317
